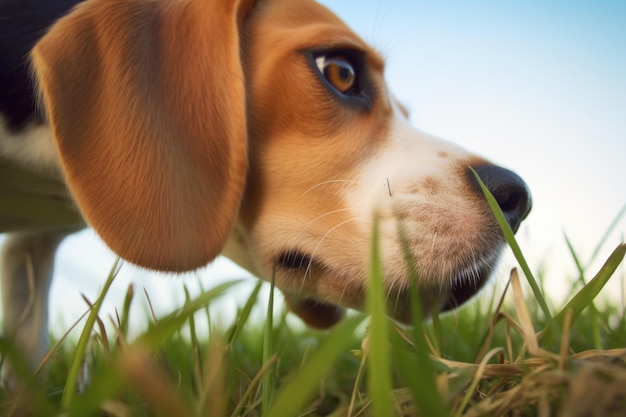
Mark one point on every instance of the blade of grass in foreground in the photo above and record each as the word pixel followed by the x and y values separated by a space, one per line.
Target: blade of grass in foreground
pixel 297 390
pixel 267 383
pixel 588 293
pixel 81 347
pixel 243 315
pixel 379 375
pixel 420 378
pixel 510 239
pixel 107 384
pixel 109 380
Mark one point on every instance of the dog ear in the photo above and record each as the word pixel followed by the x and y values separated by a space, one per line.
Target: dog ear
pixel 146 103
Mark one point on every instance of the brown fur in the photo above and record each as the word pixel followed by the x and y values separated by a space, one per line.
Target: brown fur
pixel 155 159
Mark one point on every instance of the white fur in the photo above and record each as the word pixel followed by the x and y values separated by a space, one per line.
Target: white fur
pixel 409 154
pixel 391 186
pixel 32 147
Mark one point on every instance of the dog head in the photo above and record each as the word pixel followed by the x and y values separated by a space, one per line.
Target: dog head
pixel 264 131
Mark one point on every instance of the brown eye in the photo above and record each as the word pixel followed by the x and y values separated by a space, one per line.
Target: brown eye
pixel 338 72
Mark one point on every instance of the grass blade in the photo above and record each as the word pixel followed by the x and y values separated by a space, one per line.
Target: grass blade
pixel 267 383
pixel 125 317
pixel 420 377
pixel 101 389
pixel 607 233
pixel 588 293
pixel 170 324
pixel 577 262
pixel 510 239
pixel 296 391
pixel 593 312
pixel 379 376
pixel 81 347
pixel 243 316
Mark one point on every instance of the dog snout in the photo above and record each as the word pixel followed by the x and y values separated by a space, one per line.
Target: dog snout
pixel 509 190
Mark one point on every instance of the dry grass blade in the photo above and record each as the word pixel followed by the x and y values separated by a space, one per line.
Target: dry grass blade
pixel 58 343
pixel 213 398
pixel 528 331
pixel 253 386
pixel 153 385
pixel 595 353
pixel 115 409
pixel 476 380
pixel 599 389
pixel 359 375
pixel 495 317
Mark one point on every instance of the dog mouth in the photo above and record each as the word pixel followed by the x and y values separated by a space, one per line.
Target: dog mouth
pixel 460 288
pixel 294 260
pixel 466 284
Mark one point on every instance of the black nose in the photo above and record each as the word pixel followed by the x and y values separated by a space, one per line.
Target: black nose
pixel 509 190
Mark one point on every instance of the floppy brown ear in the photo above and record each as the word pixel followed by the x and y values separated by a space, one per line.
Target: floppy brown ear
pixel 146 103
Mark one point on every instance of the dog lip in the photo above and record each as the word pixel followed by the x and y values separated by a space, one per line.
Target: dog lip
pixel 463 285
pixel 466 284
pixel 293 260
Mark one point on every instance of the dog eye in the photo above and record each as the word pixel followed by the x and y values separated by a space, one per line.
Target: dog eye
pixel 338 71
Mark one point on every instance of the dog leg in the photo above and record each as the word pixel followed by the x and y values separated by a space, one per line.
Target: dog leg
pixel 27 261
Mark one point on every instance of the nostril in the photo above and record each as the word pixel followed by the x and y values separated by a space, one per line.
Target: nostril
pixel 509 190
pixel 510 202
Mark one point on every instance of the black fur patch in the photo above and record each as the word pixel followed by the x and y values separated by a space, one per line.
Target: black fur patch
pixel 23 22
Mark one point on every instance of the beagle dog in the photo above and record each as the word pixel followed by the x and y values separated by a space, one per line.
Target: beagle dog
pixel 261 130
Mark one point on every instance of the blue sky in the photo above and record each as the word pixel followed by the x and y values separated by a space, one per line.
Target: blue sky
pixel 537 86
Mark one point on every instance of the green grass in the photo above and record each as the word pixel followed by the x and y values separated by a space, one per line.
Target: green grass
pixel 512 355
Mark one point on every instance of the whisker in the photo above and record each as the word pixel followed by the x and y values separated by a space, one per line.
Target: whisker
pixel 308 269
pixel 398 294
pixel 328 213
pixel 326 183
pixel 347 285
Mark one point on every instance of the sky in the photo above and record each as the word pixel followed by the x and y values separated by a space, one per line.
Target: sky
pixel 536 86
